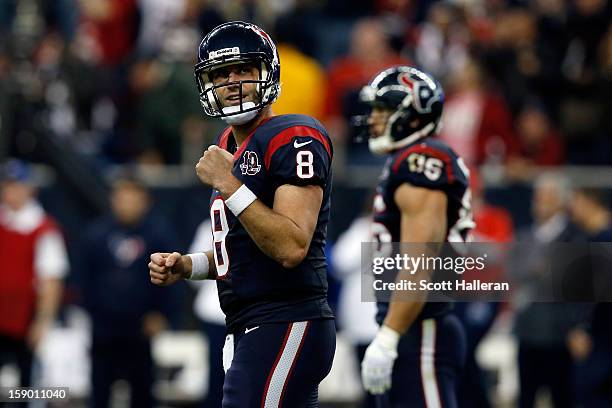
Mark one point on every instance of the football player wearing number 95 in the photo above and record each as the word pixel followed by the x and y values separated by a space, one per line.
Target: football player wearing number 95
pixel 422 196
pixel 271 181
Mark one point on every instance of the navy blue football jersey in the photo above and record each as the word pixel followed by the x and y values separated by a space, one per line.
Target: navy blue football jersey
pixel 253 288
pixel 432 164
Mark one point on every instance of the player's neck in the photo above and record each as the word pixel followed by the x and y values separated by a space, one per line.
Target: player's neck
pixel 241 132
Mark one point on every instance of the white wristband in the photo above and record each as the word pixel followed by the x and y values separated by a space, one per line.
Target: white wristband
pixel 199 266
pixel 240 200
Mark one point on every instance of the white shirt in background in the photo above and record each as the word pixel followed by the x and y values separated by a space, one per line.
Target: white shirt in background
pixel 206 305
pixel 356 318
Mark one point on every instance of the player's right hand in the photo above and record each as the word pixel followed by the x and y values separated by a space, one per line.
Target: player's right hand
pixel 166 268
pixel 377 364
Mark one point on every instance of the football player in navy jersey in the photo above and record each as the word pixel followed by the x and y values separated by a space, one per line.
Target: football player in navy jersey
pixel 271 180
pixel 423 196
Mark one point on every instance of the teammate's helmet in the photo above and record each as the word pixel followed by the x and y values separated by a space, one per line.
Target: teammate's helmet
pixel 232 43
pixel 411 94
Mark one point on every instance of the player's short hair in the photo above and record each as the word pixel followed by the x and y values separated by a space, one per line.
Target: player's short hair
pixel 127 178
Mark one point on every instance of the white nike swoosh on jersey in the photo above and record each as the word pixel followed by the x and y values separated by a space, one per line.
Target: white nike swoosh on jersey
pixel 247 331
pixel 298 145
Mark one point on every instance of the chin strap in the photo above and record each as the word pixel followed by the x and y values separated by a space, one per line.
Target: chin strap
pixel 239 118
pixel 385 144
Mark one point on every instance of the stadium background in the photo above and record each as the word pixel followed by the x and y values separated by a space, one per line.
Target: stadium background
pixel 89 88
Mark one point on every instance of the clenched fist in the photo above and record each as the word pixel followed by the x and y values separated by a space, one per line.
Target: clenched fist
pixel 215 169
pixel 167 268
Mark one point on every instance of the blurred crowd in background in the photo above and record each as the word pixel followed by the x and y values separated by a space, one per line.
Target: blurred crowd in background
pixel 527 82
pixel 86 85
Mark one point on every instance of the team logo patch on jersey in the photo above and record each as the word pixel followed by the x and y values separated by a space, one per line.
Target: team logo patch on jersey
pixel 126 249
pixel 250 163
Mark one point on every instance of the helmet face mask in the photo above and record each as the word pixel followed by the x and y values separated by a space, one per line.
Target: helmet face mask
pixel 415 102
pixel 209 95
pixel 231 44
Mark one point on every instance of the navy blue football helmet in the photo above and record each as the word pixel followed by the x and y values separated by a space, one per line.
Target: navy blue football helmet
pixel 410 94
pixel 232 43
